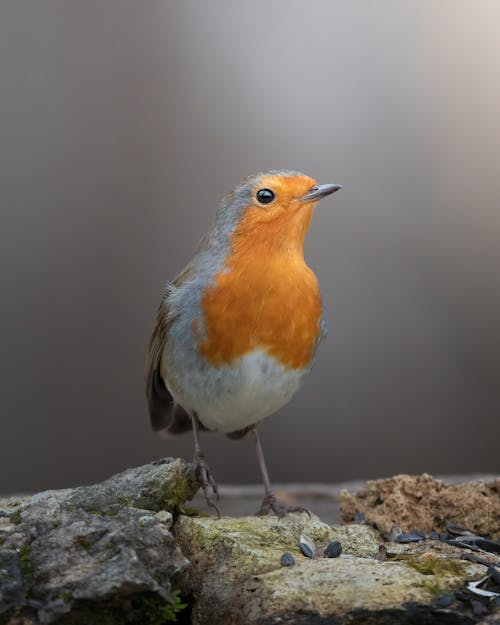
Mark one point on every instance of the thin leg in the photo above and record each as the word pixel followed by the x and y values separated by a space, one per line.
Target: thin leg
pixel 201 469
pixel 270 503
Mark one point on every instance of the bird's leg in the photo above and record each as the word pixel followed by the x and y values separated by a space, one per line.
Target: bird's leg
pixel 201 469
pixel 270 503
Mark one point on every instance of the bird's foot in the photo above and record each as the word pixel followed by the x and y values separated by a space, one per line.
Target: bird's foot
pixel 271 505
pixel 203 473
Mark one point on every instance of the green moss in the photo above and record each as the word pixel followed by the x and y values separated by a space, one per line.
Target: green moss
pixel 15 517
pixel 437 569
pixel 26 566
pixel 182 490
pixel 436 566
pixel 84 542
pixel 143 609
pixel 66 597
pixel 433 586
pixel 155 611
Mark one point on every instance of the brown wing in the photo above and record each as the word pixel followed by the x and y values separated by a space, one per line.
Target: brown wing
pixel 164 412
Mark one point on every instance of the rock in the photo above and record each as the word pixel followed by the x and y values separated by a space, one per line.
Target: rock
pixel 61 551
pixel 120 552
pixel 342 590
pixel 423 503
pixel 236 577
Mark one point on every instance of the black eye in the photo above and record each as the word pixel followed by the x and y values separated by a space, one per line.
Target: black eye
pixel 265 196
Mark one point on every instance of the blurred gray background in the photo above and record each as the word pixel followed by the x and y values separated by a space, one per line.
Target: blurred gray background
pixel 122 123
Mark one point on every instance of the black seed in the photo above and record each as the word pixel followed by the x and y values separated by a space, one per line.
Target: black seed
pixel 458 530
pixel 287 559
pixel 307 546
pixel 487 545
pixel 306 550
pixel 333 549
pixel 410 537
pixel 445 601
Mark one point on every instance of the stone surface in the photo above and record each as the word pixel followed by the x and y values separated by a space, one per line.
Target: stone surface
pixel 60 550
pixel 424 503
pixel 119 552
pixel 236 577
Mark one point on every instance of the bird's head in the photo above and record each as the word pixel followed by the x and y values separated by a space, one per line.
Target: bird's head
pixel 273 209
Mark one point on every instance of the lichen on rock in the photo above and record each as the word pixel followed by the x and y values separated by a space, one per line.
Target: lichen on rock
pixel 122 552
pixel 236 576
pixel 64 551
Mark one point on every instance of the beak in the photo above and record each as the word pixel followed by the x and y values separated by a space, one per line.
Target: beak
pixel 320 191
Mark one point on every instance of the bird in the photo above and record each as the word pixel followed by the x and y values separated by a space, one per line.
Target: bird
pixel 238 329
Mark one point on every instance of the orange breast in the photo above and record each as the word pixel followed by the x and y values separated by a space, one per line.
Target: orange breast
pixel 266 298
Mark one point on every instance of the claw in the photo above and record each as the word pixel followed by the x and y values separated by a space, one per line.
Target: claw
pixel 271 504
pixel 202 471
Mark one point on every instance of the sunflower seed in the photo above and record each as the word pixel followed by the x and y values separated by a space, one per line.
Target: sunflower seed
pixel 307 546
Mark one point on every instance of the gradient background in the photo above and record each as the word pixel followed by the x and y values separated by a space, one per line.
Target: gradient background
pixel 122 123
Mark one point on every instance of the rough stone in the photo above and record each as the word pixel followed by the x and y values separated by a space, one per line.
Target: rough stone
pixel 236 577
pixel 60 550
pixel 424 503
pixel 111 554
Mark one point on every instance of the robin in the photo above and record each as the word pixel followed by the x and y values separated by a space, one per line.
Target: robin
pixel 237 330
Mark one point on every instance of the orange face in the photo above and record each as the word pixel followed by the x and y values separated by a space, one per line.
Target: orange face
pixel 266 297
pixel 287 193
pixel 280 224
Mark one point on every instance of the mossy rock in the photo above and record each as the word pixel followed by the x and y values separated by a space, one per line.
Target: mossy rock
pixel 236 577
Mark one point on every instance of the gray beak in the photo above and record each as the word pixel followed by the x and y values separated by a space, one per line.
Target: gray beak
pixel 319 192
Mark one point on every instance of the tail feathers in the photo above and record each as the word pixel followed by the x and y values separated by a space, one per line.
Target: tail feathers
pixel 166 415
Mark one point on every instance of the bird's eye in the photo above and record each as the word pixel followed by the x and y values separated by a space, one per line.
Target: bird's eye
pixel 265 196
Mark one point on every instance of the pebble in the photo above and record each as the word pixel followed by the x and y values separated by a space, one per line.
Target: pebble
pixel 333 549
pixel 287 559
pixel 434 536
pixel 445 601
pixel 359 517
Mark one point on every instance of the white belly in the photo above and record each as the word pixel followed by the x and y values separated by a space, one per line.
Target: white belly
pixel 233 397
